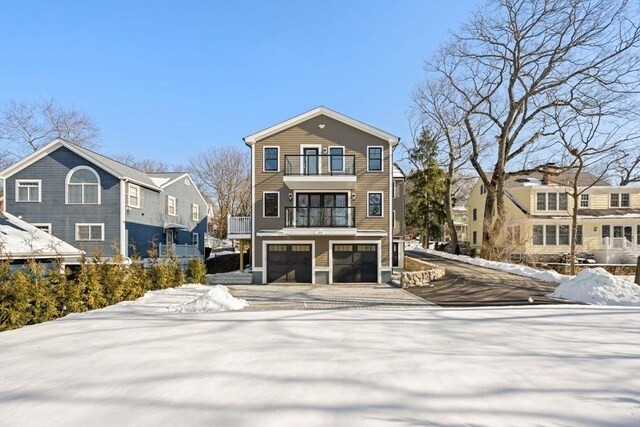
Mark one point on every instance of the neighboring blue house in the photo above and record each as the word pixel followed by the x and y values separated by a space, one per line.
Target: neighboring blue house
pixel 98 204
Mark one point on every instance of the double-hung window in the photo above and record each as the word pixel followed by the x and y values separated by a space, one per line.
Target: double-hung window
pixel 375 204
pixel 271 159
pixel 172 206
pixel 551 235
pixel 28 190
pixel 374 159
pixel 474 214
pixel 552 201
pixel 563 234
pixel 584 200
pixel 134 198
pixel 541 201
pixel 90 232
pixel 538 235
pixel 195 212
pixel 619 200
pixel 562 201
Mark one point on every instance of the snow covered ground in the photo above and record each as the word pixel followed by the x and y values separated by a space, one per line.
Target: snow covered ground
pixel 139 364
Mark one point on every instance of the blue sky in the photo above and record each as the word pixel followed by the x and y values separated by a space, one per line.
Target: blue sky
pixel 165 80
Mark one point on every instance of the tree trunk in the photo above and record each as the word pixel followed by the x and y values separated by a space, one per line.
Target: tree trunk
pixel 448 207
pixel 574 218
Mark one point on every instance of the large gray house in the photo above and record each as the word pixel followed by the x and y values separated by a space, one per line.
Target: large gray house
pixel 98 204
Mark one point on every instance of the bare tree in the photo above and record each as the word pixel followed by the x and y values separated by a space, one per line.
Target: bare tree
pixel 627 166
pixel 224 176
pixel 147 165
pixel 25 127
pixel 516 60
pixel 591 143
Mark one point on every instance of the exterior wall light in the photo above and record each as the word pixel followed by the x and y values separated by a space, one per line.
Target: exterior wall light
pixel 290 196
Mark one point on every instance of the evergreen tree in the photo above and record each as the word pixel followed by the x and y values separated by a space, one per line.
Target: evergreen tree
pixel 426 189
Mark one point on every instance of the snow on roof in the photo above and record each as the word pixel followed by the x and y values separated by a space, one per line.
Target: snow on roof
pixel 160 181
pixel 397 172
pixel 19 239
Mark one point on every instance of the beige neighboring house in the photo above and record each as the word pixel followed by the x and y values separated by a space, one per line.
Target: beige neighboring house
pixel 459 222
pixel 539 210
pixel 328 202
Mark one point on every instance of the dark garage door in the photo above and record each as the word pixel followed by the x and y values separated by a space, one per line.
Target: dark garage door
pixel 289 263
pixel 355 263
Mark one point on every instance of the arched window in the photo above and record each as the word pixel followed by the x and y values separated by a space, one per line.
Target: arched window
pixel 83 186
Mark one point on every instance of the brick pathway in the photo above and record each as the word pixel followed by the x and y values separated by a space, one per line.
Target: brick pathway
pixel 326 297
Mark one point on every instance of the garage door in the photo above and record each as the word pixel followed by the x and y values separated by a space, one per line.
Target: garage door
pixel 289 263
pixel 355 263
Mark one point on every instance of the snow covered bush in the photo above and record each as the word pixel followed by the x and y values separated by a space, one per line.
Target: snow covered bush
pixel 597 286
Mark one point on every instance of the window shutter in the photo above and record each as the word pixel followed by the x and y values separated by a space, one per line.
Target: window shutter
pixel 166 204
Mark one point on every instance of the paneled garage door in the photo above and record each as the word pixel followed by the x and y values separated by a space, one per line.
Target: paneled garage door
pixel 289 263
pixel 355 263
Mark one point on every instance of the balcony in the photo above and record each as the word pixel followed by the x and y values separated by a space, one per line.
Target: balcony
pixel 180 251
pixel 320 171
pixel 327 217
pixel 238 227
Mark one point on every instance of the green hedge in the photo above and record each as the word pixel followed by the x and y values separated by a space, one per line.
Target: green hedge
pixel 32 295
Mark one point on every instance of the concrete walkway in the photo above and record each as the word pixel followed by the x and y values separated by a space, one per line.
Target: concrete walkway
pixel 326 297
pixel 466 285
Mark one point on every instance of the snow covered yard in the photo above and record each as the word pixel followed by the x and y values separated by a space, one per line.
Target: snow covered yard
pixel 141 364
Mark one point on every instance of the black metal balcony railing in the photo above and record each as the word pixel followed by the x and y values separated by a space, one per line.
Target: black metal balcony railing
pixel 320 164
pixel 320 217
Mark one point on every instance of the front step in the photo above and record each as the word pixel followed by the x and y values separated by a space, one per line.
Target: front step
pixel 231 278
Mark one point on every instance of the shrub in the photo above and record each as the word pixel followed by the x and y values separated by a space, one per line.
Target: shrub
pixel 14 301
pixel 196 271
pixel 473 252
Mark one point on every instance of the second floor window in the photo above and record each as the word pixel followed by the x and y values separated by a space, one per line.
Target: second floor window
pixel 541 201
pixel 83 187
pixel 195 212
pixel 134 196
pixel 374 158
pixel 271 204
pixel 337 159
pixel 584 200
pixel 475 214
pixel 375 204
pixel 271 159
pixel 482 189
pixel 620 200
pixel 28 190
pixel 172 206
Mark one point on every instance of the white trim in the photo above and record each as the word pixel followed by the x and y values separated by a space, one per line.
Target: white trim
pixel 175 205
pixel 66 186
pixel 253 207
pixel 381 158
pixel 197 239
pixel 620 200
pixel 123 218
pixel 128 194
pixel 43 224
pixel 390 237
pixel 97 224
pixel 21 181
pixel 287 242
pixel 4 195
pixel 394 219
pixel 264 159
pixel 186 174
pixel 253 138
pixel 381 192
pixel 378 243
pixel 329 165
pixel 264 204
pixel 195 213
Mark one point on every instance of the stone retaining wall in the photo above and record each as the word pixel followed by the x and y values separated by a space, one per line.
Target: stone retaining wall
pixel 420 272
pixel 615 269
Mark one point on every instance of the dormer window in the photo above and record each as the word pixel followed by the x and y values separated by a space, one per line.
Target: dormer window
pixel 83 186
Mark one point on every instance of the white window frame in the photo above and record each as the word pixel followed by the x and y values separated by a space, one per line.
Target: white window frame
pixel 538 194
pixel 139 189
pixel 66 185
pixel 381 158
pixel 330 166
pixel 25 181
pixel 584 198
pixel 264 158
pixel 619 205
pixel 395 222
pixel 381 204
pixel 195 211
pixel 101 225
pixel 628 200
pixel 195 239
pixel 175 206
pixel 41 225
pixel 264 204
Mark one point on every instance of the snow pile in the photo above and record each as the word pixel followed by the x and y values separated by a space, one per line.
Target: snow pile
pixel 520 270
pixel 597 286
pixel 215 299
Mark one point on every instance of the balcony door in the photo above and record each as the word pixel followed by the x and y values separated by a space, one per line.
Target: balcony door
pixel 321 210
pixel 310 157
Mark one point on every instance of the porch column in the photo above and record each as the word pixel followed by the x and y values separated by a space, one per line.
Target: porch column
pixel 241 254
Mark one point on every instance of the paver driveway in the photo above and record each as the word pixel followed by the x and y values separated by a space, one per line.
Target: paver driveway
pixel 319 297
pixel 467 285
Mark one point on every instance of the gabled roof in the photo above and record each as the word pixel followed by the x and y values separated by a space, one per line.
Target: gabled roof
pixel 397 172
pixel 19 239
pixel 115 168
pixel 165 179
pixel 253 138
